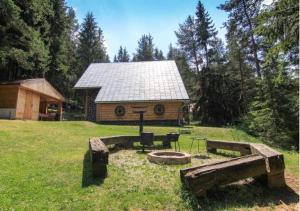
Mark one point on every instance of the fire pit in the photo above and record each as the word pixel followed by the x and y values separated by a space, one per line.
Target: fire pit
pixel 166 157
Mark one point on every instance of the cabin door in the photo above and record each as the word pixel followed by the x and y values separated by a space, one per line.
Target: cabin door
pixel 28 106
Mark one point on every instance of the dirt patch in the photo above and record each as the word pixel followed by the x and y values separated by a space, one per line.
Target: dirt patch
pixel 288 198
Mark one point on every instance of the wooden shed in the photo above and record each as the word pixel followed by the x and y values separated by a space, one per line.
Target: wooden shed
pixel 29 99
pixel 113 91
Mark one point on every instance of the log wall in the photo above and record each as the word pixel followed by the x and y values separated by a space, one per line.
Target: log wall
pixel 8 96
pixel 106 111
pixel 28 105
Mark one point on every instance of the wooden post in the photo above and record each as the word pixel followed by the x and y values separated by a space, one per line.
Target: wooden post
pixel 85 104
pixel 46 112
pixel 60 111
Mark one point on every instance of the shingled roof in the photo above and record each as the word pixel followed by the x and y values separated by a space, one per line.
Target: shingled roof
pixel 134 81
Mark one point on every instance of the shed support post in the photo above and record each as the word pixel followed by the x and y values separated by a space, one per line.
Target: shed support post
pixel 85 104
pixel 60 111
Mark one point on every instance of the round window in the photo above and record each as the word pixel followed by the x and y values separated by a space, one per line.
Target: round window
pixel 120 111
pixel 159 109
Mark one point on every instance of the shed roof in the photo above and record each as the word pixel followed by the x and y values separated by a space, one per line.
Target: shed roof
pixel 134 81
pixel 39 85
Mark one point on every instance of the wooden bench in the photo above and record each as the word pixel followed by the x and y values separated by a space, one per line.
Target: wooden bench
pixel 99 157
pixel 260 162
pixel 242 147
pixel 274 164
pixel 203 178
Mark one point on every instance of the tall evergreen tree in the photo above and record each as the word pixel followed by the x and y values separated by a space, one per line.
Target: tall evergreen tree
pixel 274 113
pixel 245 12
pixel 63 25
pixel 205 30
pixel 238 66
pixel 187 39
pixel 91 44
pixel 145 50
pixel 158 55
pixel 122 56
pixel 24 49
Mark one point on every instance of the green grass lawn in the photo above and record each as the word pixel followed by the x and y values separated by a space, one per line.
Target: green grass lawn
pixel 45 166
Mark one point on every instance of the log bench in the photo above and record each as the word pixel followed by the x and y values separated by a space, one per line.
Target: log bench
pixel 274 164
pixel 99 157
pixel 242 147
pixel 99 152
pixel 202 178
pixel 260 162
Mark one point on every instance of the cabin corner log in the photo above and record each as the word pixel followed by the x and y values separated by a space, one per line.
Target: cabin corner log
pixel 99 157
pixel 242 147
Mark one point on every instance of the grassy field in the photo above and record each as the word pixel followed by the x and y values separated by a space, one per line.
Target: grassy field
pixel 45 166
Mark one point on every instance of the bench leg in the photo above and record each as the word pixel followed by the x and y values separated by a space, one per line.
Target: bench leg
pixel 99 170
pixel 276 180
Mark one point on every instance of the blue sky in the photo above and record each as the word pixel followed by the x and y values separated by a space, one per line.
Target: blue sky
pixel 124 21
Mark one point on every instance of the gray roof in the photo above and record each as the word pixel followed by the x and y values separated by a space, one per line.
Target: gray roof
pixel 134 81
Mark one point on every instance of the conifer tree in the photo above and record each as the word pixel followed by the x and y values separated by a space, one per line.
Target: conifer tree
pixel 91 44
pixel 187 39
pixel 145 50
pixel 245 12
pixel 158 55
pixel 122 56
pixel 23 39
pixel 205 30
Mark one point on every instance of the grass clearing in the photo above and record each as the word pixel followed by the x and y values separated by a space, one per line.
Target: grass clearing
pixel 45 166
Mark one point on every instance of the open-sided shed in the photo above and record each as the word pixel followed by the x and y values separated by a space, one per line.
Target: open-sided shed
pixel 28 99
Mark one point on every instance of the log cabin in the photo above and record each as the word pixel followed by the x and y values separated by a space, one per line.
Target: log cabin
pixel 29 100
pixel 114 91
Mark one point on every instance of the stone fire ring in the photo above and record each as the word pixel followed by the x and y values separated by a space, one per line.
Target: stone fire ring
pixel 167 157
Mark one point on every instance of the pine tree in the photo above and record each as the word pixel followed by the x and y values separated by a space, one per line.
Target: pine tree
pixel 274 112
pixel 237 64
pixel 126 56
pixel 205 30
pixel 123 55
pixel 91 44
pixel 23 36
pixel 187 39
pixel 115 58
pixel 145 50
pixel 245 12
pixel 158 55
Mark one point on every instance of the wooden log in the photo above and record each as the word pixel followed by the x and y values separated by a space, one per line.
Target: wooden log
pixel 274 164
pixel 127 140
pixel 242 147
pixel 208 176
pixel 99 157
pixel 184 171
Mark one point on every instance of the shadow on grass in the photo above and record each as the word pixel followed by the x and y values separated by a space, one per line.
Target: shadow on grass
pixel 87 175
pixel 240 195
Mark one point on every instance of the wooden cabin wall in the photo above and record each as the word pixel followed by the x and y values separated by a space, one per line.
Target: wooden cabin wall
pixel 8 96
pixel 106 111
pixel 28 105
pixel 8 101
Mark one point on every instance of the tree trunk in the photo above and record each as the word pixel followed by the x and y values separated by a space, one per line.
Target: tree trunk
pixel 254 45
pixel 242 94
